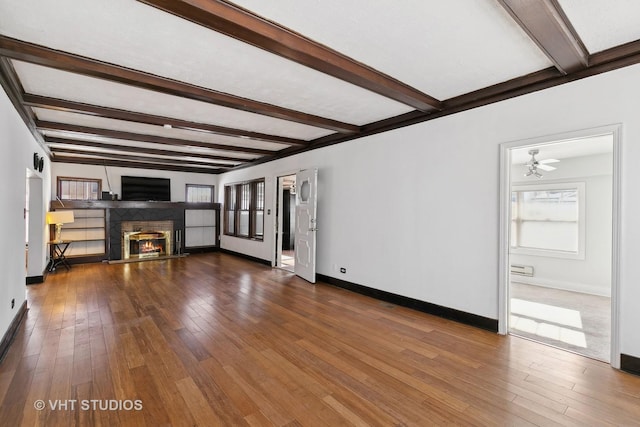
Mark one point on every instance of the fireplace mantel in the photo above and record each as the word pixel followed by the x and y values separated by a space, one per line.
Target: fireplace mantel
pixel 126 204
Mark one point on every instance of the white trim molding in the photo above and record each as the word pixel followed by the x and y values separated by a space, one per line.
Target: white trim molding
pixel 602 291
pixel 615 130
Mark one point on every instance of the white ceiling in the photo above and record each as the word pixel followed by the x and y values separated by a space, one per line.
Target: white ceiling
pixel 75 87
pixel 565 149
pixel 444 49
pixel 604 24
pixel 147 39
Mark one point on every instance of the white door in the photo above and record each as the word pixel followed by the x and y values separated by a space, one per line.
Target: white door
pixel 306 226
pixel 279 213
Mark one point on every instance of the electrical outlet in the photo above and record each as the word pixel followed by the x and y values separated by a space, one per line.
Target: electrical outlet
pixel 343 270
pixel 13 302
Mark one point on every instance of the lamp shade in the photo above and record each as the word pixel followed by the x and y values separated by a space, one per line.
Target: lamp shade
pixel 60 217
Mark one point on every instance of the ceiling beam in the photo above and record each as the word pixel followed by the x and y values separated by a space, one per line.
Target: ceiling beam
pixel 131 136
pixel 135 165
pixel 548 26
pixel 11 84
pixel 129 157
pixel 133 149
pixel 616 57
pixel 131 116
pixel 41 55
pixel 601 62
pixel 233 21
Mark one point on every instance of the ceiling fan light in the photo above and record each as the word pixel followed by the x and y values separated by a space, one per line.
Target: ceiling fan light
pixel 534 164
pixel 546 168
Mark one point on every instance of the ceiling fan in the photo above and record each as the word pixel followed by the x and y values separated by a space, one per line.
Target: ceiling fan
pixel 534 164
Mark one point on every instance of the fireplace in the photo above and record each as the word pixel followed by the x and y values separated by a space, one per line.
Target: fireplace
pixel 146 239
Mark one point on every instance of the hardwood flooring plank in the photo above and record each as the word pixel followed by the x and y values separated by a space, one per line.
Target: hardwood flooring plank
pixel 549 416
pixel 21 380
pixel 215 339
pixel 131 350
pixel 391 399
pixel 241 401
pixel 38 390
pixel 155 406
pixel 292 390
pixel 588 419
pixel 271 410
pixel 194 346
pixel 610 399
pixel 165 391
pixel 258 420
pixel 197 403
pixel 6 376
pixel 122 381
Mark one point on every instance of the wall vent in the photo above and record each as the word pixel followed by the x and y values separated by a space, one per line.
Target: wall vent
pixel 522 270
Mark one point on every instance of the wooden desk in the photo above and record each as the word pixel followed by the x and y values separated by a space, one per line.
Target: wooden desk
pixel 57 251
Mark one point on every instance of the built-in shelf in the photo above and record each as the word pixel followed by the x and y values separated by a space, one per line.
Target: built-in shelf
pixel 96 230
pixel 200 228
pixel 87 232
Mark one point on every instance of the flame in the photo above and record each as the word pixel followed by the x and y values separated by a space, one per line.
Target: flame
pixel 149 246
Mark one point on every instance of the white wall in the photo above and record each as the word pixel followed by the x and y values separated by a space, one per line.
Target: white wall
pixel 593 273
pixel 398 209
pixel 178 179
pixel 17 145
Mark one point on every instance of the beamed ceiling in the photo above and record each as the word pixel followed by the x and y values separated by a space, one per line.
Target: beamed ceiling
pixel 210 85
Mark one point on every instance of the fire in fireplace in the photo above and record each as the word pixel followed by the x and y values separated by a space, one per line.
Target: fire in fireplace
pixel 146 242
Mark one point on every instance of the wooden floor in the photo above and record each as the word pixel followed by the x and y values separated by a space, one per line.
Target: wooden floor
pixel 212 339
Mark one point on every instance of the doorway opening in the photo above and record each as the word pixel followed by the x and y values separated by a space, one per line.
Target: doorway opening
pixel 34 212
pixel 285 217
pixel 559 219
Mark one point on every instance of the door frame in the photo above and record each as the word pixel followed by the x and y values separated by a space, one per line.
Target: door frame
pixel 277 223
pixel 505 206
pixel 305 231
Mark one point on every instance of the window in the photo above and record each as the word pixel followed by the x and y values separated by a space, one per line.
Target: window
pixel 257 214
pixel 79 188
pixel 548 220
pixel 244 209
pixel 197 193
pixel 230 210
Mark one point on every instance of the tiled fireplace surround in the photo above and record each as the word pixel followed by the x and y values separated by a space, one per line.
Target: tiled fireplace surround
pixel 118 216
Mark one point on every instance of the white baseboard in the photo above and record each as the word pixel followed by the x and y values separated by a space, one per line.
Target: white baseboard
pixel 604 291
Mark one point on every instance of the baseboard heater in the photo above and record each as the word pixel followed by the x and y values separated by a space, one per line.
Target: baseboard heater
pixel 522 270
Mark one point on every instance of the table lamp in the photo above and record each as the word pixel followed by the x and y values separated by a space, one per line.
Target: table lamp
pixel 58 218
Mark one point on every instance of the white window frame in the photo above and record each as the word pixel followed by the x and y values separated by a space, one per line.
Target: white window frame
pixel 211 189
pixel 582 223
